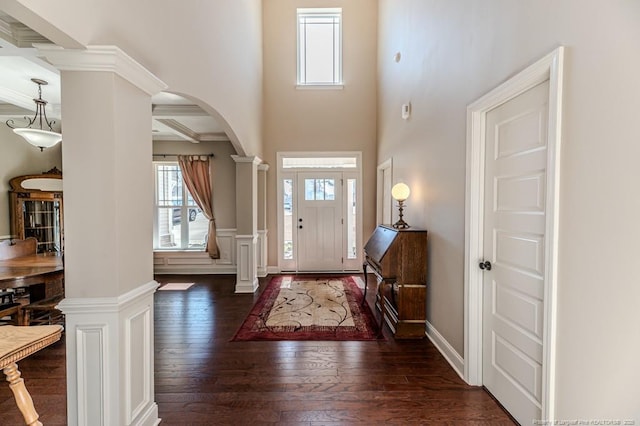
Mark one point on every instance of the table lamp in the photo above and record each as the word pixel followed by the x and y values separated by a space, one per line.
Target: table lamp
pixel 400 192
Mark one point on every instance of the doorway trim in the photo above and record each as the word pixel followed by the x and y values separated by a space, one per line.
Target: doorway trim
pixel 550 67
pixel 348 172
pixel 383 203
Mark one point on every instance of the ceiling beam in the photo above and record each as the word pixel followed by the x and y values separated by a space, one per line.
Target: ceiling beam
pixel 180 130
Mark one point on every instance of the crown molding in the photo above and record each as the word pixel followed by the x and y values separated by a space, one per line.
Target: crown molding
pixel 20 100
pixel 183 131
pixel 167 111
pixel 214 137
pixel 19 35
pixel 251 159
pixel 103 59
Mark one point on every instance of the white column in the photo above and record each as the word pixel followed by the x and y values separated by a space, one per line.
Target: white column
pixel 108 200
pixel 262 219
pixel 246 223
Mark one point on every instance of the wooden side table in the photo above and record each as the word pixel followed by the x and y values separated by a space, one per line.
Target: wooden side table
pixel 17 343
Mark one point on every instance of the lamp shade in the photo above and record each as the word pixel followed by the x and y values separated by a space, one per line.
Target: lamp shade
pixel 40 138
pixel 400 191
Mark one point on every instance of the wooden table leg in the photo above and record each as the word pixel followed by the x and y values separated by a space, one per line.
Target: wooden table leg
pixel 21 395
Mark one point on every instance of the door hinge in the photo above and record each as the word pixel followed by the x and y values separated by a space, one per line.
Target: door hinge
pixel 342 221
pixel 342 260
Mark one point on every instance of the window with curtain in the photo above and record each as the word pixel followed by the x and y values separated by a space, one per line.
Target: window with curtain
pixel 179 223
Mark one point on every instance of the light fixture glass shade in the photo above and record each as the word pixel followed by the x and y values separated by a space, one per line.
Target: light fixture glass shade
pixel 40 138
pixel 400 191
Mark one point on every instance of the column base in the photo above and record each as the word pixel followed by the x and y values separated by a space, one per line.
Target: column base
pixel 110 360
pixel 247 272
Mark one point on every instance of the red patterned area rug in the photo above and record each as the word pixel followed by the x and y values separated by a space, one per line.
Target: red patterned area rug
pixel 309 308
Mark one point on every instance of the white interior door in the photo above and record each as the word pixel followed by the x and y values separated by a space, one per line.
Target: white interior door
pixel 514 250
pixel 319 221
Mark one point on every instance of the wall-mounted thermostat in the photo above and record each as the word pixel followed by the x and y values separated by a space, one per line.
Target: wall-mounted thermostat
pixel 406 111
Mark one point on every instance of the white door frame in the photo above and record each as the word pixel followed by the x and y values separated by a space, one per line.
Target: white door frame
pixel 550 67
pixel 381 202
pixel 348 173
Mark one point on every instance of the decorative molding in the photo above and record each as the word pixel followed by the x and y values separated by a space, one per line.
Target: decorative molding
pixel 18 34
pixel 262 250
pixel 263 167
pixel 110 358
pixel 16 102
pixel 89 305
pixel 252 159
pixel 169 111
pixel 246 275
pixel 447 351
pixel 92 371
pixel 136 333
pixel 103 59
pixel 179 129
pixel 188 261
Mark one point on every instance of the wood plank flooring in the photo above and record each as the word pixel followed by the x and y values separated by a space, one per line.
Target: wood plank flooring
pixel 203 378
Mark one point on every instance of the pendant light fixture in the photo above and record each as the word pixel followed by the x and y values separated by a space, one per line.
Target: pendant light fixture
pixel 38 137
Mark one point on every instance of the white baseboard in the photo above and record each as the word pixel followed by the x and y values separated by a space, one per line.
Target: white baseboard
pixel 447 351
pixel 150 417
pixel 273 270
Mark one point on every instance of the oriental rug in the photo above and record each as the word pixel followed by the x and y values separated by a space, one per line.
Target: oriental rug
pixel 309 308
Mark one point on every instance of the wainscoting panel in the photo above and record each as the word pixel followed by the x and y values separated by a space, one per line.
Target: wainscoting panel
pixel 199 262
pixel 91 353
pixel 138 373
pixel 110 359
pixel 262 253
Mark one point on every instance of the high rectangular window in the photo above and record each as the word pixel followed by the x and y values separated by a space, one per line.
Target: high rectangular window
pixel 320 46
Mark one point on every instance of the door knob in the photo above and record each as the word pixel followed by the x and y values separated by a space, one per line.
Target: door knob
pixel 485 265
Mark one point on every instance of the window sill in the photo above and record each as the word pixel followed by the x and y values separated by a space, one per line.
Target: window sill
pixel 190 251
pixel 319 86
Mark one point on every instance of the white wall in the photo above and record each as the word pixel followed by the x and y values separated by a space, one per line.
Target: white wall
pixel 319 120
pixel 17 158
pixel 452 53
pixel 210 50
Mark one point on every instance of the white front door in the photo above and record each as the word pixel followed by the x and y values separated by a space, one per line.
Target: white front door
pixel 514 250
pixel 319 221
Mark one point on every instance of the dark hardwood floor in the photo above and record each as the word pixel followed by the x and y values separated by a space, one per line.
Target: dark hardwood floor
pixel 203 378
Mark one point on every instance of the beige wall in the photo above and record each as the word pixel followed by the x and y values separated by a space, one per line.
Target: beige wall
pixel 452 53
pixel 224 174
pixel 18 158
pixel 319 120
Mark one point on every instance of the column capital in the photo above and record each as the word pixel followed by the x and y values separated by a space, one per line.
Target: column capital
pixel 104 59
pixel 263 167
pixel 252 159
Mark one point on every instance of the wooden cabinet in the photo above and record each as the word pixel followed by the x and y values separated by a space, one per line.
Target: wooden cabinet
pixel 398 258
pixel 36 209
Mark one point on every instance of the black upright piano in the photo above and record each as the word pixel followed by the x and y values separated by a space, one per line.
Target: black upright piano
pixel 398 258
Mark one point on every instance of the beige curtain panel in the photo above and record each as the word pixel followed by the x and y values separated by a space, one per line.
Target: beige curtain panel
pixel 196 173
